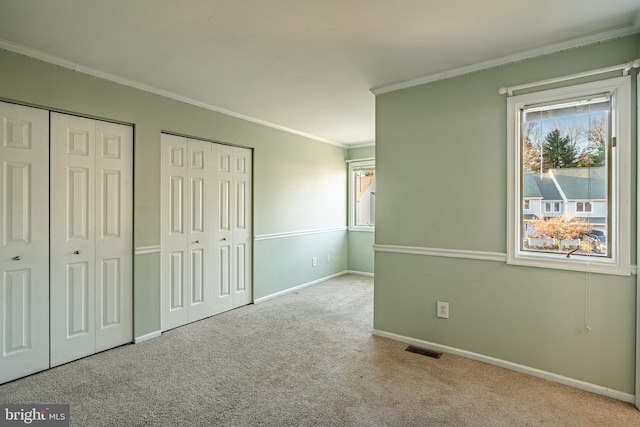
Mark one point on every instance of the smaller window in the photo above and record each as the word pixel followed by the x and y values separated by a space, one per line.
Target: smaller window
pixel 362 195
pixel 527 204
pixel 552 206
pixel 583 207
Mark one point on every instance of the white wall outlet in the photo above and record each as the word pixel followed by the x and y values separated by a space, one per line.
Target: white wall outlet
pixel 328 257
pixel 314 262
pixel 443 309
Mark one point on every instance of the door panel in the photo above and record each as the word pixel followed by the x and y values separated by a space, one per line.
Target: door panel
pixel 72 238
pixel 24 236
pixel 223 263
pixel 111 292
pixel 114 235
pixel 242 233
pixel 200 275
pixel 174 173
pixel 233 233
pixel 78 294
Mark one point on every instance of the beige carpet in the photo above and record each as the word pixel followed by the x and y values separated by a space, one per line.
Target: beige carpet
pixel 303 359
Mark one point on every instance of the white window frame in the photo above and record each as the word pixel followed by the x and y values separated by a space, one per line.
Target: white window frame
pixel 619 262
pixel 351 193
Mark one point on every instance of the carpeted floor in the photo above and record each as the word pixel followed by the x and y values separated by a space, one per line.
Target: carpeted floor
pixel 303 359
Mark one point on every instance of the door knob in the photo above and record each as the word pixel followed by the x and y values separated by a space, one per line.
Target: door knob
pixel 197 241
pixel 224 238
pixel 16 258
pixel 76 252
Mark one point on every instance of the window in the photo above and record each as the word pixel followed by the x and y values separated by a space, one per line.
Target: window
pixel 570 148
pixel 527 205
pixel 362 195
pixel 583 207
pixel 551 207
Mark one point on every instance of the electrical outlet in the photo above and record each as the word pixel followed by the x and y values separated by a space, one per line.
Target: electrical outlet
pixel 328 257
pixel 443 309
pixel 314 262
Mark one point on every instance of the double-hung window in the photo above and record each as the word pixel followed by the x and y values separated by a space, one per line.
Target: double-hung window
pixel 570 148
pixel 362 195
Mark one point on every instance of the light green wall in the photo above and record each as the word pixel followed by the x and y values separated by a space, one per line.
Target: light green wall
pixel 361 242
pixel 361 251
pixel 279 270
pixel 299 183
pixel 357 153
pixel 441 163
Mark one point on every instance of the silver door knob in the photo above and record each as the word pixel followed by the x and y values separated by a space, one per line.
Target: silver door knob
pixel 197 241
pixel 16 258
pixel 224 238
pixel 76 252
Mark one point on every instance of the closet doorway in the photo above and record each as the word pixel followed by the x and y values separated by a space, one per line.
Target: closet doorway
pixel 66 238
pixel 206 220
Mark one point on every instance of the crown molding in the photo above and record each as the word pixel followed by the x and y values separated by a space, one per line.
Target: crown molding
pixel 505 60
pixel 362 145
pixel 65 63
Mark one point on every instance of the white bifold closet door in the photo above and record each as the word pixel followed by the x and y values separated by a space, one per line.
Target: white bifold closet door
pixel 233 260
pixel 24 234
pixel 91 236
pixel 187 207
pixel 206 229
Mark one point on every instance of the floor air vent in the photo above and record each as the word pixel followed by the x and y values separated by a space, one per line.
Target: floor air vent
pixel 424 352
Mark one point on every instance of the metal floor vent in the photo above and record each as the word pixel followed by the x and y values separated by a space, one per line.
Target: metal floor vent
pixel 424 352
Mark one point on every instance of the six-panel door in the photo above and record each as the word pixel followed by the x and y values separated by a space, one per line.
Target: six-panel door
pixel 232 238
pixel 186 221
pixel 91 236
pixel 206 229
pixel 24 246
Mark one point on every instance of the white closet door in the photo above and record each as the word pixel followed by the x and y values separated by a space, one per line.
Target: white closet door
pixel 175 235
pixel 72 238
pixel 233 171
pixel 223 236
pixel 114 235
pixel 91 243
pixel 241 226
pixel 24 234
pixel 199 221
pixel 186 221
pixel 173 171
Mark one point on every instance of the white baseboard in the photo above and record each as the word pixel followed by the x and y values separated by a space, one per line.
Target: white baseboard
pixel 147 337
pixel 359 273
pixel 593 388
pixel 295 288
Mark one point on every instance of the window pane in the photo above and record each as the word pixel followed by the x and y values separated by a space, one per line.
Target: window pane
pixel 565 159
pixel 365 196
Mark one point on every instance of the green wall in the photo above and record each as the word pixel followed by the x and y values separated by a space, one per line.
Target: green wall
pixel 299 183
pixel 442 168
pixel 361 242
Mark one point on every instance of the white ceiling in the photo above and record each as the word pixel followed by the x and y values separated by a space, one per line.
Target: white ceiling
pixel 303 65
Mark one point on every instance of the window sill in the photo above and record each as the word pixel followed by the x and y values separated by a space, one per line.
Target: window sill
pixel 362 229
pixel 574 263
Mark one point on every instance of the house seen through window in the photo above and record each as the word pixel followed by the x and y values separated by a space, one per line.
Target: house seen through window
pixel 570 164
pixel 565 167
